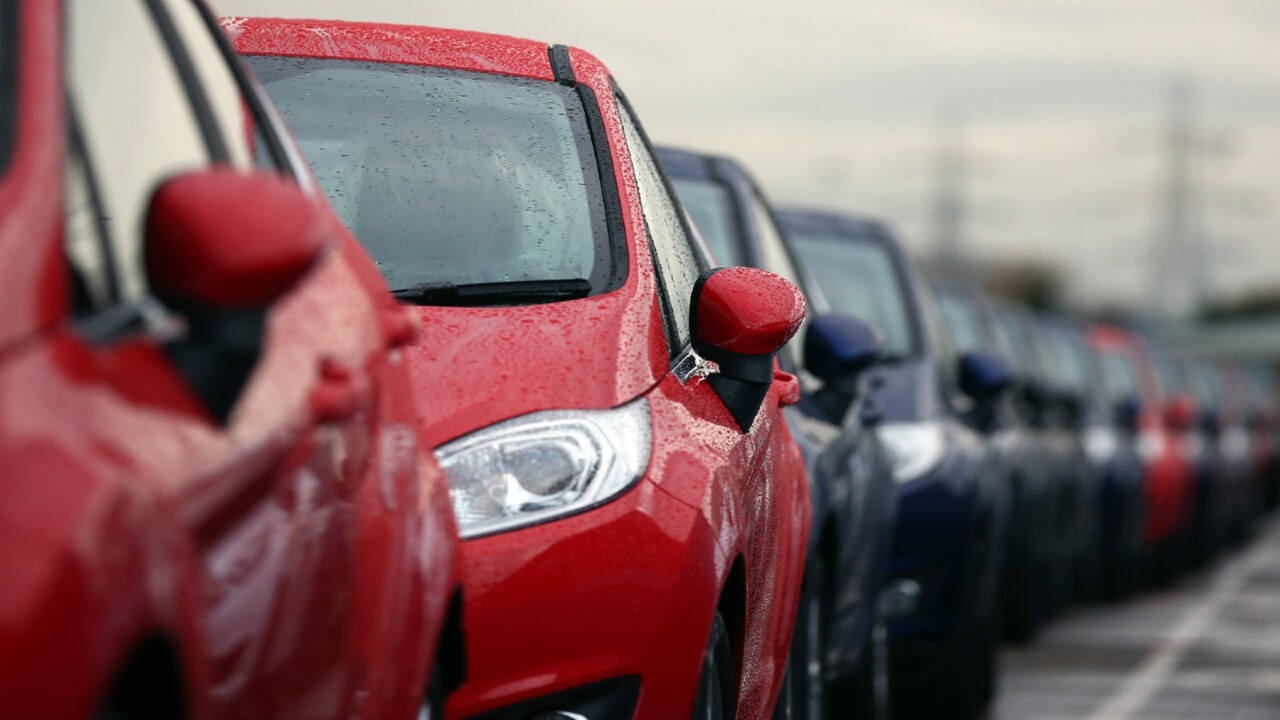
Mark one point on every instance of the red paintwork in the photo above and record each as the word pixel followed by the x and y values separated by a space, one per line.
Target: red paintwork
pixel 230 239
pixel 294 568
pixel 629 587
pixel 748 311
pixel 1170 479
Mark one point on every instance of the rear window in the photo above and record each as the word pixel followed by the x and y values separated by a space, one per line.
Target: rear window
pixel 450 178
pixel 860 279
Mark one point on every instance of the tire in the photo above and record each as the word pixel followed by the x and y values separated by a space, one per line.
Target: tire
pixel 803 694
pixel 865 694
pixel 433 702
pixel 716 693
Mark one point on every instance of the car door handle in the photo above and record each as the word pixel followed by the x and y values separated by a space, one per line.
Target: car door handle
pixel 399 326
pixel 788 387
pixel 339 393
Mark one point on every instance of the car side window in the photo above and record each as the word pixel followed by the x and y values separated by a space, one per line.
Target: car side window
pixel 230 116
pixel 137 132
pixel 84 234
pixel 679 262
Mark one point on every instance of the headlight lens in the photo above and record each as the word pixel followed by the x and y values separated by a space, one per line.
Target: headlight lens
pixel 544 465
pixel 1150 445
pixel 914 448
pixel 1100 444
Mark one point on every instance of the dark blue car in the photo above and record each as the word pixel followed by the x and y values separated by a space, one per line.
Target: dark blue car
pixel 944 567
pixel 851 482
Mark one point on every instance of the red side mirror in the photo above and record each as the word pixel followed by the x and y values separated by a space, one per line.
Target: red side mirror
pixel 224 239
pixel 746 311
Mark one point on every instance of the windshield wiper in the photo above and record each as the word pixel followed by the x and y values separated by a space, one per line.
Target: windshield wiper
pixel 515 292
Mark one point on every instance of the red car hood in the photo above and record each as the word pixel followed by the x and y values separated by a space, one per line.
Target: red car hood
pixel 477 366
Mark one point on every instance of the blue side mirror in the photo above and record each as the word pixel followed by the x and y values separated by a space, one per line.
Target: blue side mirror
pixel 983 375
pixel 840 346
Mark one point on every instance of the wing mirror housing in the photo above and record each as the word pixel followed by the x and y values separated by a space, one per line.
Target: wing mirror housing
pixel 220 247
pixel 740 318
pixel 838 349
pixel 984 376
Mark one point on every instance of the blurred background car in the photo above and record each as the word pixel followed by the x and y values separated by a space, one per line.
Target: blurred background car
pixel 972 325
pixel 837 655
pixel 215 503
pixel 606 407
pixel 944 568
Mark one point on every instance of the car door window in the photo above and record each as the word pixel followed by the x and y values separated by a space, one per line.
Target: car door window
pixel 231 115
pixel 137 123
pixel 679 262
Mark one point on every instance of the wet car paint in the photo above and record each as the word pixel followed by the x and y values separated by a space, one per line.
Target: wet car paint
pixel 134 524
pixel 629 587
pixel 854 497
pixel 950 519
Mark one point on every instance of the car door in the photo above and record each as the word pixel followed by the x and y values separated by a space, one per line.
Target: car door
pixel 263 502
pixel 750 465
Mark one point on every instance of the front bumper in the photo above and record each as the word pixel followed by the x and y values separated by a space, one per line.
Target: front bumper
pixel 616 598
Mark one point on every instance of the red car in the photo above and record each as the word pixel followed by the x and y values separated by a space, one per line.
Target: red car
pixel 215 505
pixel 1170 478
pixel 605 406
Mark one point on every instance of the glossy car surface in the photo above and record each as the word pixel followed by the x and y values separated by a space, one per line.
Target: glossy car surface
pixel 205 429
pixel 854 497
pixel 666 573
pixel 1168 475
pixel 975 322
pixel 944 563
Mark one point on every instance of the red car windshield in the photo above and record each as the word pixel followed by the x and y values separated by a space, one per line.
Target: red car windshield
pixel 452 179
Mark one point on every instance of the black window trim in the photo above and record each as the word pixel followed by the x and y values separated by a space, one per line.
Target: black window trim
pixel 10 48
pixel 273 132
pixel 78 148
pixel 562 69
pixel 215 143
pixel 675 346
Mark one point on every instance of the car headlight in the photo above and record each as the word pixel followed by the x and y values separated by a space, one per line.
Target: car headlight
pixel 914 448
pixel 1150 445
pixel 544 465
pixel 1100 444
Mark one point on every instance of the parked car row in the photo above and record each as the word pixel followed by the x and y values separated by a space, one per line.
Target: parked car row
pixel 376 371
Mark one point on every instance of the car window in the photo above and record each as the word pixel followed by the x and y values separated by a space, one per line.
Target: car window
pixel 679 263
pixel 961 321
pixel 136 133
pixel 1117 376
pixel 711 207
pixel 860 279
pixel 84 234
pixel 450 177
pixel 232 119
pixel 777 259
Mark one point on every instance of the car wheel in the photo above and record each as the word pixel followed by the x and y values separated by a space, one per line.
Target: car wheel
pixel 865 694
pixel 433 702
pixel 715 682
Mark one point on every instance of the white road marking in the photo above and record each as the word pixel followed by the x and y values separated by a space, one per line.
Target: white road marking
pixel 1154 671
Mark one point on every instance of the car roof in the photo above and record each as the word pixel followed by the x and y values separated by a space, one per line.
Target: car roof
pixel 832 222
pixel 391 43
pixel 685 163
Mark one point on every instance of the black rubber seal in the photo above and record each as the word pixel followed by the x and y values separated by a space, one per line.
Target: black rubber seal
pixel 614 226
pixel 561 65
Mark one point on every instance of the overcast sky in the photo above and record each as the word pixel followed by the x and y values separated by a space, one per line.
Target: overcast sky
pixel 839 103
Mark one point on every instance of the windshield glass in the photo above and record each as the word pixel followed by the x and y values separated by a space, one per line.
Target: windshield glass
pixel 962 322
pixel 711 207
pixel 859 278
pixel 448 177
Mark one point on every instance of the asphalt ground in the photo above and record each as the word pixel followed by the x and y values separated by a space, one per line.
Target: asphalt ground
pixel 1206 648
